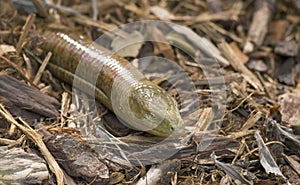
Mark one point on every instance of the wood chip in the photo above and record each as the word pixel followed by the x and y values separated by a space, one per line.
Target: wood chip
pixel 29 102
pixel 259 26
pixel 4 49
pixel 277 30
pixel 243 58
pixel 77 158
pixel 238 65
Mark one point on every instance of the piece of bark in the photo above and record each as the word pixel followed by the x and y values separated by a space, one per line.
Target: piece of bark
pixel 19 167
pixel 219 80
pixel 25 30
pixel 148 154
pixel 290 114
pixel 78 159
pixel 252 119
pixel 204 144
pixel 114 126
pixel 207 143
pixel 260 22
pixel 42 69
pixel 162 13
pixel 41 8
pixel 287 48
pixel 4 49
pixel 204 121
pixel 25 101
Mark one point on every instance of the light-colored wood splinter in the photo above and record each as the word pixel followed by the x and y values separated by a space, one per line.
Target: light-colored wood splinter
pixel 260 23
pixel 25 30
pixel 42 68
pixel 238 65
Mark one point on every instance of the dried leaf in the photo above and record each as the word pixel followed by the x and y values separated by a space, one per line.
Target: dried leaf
pixel 258 65
pixel 128 46
pixel 233 171
pixel 201 43
pixel 266 159
pixel 116 177
pixel 292 141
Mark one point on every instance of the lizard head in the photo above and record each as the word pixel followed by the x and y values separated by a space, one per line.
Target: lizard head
pixel 153 110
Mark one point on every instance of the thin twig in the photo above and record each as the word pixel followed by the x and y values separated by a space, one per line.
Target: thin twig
pixel 41 7
pixel 29 21
pixel 42 68
pixel 18 69
pixel 37 139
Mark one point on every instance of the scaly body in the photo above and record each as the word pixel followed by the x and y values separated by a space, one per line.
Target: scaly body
pixel 119 86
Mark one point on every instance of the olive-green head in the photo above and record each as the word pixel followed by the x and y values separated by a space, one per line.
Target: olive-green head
pixel 153 110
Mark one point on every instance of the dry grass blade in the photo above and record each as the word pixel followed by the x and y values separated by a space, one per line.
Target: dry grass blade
pixel 266 159
pixel 37 139
pixel 7 141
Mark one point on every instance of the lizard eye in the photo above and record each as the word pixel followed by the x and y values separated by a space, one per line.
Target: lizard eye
pixel 172 129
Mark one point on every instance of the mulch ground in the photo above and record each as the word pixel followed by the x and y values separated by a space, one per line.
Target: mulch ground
pixel 232 66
